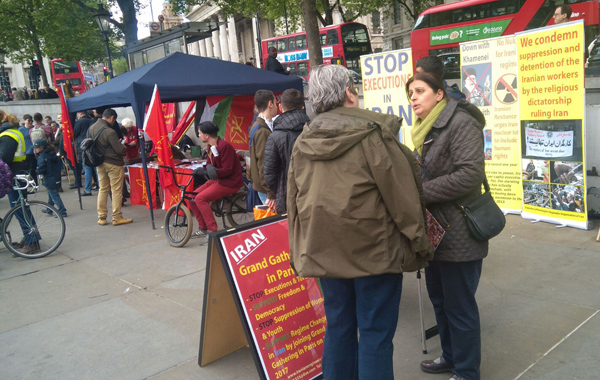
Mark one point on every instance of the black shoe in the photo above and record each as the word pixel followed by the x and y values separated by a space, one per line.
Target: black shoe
pixel 430 366
pixel 86 194
pixel 71 187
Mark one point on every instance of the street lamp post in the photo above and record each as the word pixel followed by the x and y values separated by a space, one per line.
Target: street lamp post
pixel 102 18
pixel 2 56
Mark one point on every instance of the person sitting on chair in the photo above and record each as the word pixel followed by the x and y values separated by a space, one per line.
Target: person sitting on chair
pixel 224 171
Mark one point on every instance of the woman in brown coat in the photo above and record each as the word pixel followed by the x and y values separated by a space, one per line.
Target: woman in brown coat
pixel 449 144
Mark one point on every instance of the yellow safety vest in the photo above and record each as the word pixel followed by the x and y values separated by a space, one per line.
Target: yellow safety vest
pixel 18 136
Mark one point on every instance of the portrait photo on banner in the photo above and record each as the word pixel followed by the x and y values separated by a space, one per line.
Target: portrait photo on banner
pixel 477 84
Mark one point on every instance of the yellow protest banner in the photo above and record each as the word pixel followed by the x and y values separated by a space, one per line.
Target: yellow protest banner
pixel 551 115
pixel 489 81
pixel 384 77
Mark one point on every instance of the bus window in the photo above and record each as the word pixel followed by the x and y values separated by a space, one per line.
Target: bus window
pixel 65 67
pixel 332 37
pixel 281 45
pixel 300 42
pixel 354 34
pixel 323 38
pixel 293 68
pixel 302 69
pixel 291 44
pixel 271 43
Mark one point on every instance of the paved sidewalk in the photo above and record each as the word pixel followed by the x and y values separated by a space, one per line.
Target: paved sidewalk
pixel 120 303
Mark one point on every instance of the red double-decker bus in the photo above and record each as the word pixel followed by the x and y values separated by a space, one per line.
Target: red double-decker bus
pixel 341 44
pixel 440 29
pixel 71 70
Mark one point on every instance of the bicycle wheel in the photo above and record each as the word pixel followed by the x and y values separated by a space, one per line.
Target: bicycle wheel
pixel 34 232
pixel 236 210
pixel 178 225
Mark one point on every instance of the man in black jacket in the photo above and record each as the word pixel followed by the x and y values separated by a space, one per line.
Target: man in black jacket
pixel 80 129
pixel 286 128
pixel 273 64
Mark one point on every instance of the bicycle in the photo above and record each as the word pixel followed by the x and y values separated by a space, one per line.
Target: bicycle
pixel 31 229
pixel 179 222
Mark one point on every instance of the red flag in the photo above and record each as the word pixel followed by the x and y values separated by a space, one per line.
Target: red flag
pixel 156 128
pixel 67 128
pixel 183 125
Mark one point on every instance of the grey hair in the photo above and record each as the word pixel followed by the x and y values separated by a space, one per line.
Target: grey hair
pixel 127 122
pixel 327 87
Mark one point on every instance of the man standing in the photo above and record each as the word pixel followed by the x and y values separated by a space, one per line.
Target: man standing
pixel 260 132
pixel 30 161
pixel 18 94
pixel 357 221
pixel 80 130
pixel 273 64
pixel 286 128
pixel 38 121
pixel 111 172
pixel 562 14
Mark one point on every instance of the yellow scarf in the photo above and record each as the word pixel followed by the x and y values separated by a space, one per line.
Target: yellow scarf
pixel 422 127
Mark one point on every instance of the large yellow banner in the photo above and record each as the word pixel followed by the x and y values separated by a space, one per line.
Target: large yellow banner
pixel 551 114
pixel 384 77
pixel 489 81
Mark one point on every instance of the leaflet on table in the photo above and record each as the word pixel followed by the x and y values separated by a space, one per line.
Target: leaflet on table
pixel 285 314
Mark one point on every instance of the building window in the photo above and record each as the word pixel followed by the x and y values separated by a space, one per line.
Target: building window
pixel 5 80
pixel 397 13
pixel 398 43
pixel 33 84
pixel 376 20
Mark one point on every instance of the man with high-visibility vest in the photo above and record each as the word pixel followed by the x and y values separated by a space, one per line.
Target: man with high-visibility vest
pixel 12 152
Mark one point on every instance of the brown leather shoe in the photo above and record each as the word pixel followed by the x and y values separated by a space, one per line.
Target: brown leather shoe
pixel 102 222
pixel 431 366
pixel 118 222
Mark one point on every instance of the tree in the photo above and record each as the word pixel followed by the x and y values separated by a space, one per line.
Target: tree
pixel 129 9
pixel 48 28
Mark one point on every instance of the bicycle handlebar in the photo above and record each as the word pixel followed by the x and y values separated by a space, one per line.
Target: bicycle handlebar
pixel 29 182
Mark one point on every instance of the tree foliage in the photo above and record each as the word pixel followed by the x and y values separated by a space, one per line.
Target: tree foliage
pixel 48 28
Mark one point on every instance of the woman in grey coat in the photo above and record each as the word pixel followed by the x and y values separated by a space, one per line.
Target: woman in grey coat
pixel 449 145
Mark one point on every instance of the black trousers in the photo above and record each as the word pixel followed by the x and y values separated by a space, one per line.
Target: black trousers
pixel 451 287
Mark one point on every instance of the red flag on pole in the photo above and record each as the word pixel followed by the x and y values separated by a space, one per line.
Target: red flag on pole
pixel 67 128
pixel 156 128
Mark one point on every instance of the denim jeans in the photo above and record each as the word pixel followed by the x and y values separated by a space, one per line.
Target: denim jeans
pixel 262 196
pixel 90 173
pixel 367 306
pixel 451 287
pixel 29 237
pixel 54 199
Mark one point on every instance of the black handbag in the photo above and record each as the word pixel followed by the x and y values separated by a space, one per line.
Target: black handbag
pixel 484 218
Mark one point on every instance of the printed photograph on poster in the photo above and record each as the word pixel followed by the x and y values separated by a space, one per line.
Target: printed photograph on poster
pixel 535 170
pixel 477 84
pixel 487 139
pixel 552 139
pixel 568 198
pixel 568 173
pixel 536 194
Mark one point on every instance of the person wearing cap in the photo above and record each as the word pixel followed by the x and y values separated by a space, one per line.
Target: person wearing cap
pixel 49 165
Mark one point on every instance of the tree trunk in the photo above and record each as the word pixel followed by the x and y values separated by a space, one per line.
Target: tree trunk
pixel 309 15
pixel 38 55
pixel 129 20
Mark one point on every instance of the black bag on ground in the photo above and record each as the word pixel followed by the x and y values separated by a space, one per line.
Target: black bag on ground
pixel 91 151
pixel 484 218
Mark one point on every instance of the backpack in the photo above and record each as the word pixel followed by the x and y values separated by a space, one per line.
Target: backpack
pixel 92 156
pixel 6 179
